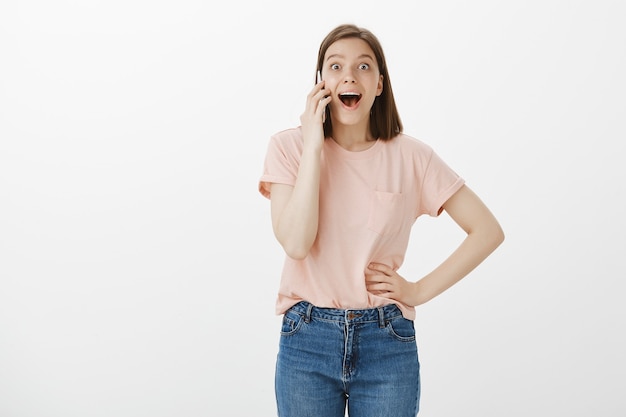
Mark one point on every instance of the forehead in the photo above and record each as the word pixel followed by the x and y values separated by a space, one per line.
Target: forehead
pixel 349 48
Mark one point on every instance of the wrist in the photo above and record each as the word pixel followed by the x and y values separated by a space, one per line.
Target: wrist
pixel 312 149
pixel 417 294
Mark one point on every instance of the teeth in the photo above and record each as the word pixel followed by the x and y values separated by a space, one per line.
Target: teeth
pixel 350 94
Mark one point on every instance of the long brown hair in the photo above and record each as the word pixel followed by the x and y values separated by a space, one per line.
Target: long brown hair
pixel 384 118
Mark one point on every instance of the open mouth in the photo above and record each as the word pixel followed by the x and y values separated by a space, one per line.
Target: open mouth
pixel 350 99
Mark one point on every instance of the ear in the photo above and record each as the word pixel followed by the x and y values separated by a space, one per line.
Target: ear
pixel 379 88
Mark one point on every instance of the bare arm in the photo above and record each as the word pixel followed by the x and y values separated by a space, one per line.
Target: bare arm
pixel 295 210
pixel 484 235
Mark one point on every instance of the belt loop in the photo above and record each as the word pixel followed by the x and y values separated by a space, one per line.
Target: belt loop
pixel 381 317
pixel 307 317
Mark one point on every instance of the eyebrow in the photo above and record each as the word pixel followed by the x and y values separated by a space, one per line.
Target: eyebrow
pixel 341 56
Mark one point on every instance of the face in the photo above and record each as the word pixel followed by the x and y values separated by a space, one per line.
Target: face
pixel 353 79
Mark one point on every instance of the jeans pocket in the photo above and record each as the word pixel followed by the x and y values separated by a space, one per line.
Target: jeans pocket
pixel 292 322
pixel 401 329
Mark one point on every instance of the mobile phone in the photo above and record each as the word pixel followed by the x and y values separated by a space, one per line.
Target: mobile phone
pixel 318 78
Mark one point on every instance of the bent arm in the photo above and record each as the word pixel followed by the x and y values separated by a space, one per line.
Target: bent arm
pixel 295 210
pixel 484 235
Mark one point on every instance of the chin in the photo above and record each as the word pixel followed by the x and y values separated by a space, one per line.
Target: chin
pixel 350 119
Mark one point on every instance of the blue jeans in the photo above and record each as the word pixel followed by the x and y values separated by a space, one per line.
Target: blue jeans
pixel 329 358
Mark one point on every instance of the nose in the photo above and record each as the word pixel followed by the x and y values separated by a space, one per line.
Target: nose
pixel 349 78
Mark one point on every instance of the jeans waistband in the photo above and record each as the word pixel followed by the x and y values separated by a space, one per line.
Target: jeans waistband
pixel 376 314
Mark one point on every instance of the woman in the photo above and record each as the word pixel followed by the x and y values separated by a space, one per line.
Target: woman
pixel 346 187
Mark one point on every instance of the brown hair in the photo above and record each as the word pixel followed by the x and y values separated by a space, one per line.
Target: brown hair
pixel 384 118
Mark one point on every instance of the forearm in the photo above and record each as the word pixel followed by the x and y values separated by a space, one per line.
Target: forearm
pixel 473 250
pixel 296 228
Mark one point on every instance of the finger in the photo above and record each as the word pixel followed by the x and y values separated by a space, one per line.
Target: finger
pixel 318 98
pixel 321 94
pixel 377 278
pixel 377 288
pixel 314 96
pixel 317 92
pixel 381 286
pixel 317 87
pixel 381 268
pixel 322 103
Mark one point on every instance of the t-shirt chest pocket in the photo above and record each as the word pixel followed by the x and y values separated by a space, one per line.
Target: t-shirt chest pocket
pixel 386 212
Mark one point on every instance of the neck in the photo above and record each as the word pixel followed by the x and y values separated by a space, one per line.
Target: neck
pixel 353 138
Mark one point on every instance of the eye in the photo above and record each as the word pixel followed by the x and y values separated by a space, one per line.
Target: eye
pixel 364 67
pixel 334 66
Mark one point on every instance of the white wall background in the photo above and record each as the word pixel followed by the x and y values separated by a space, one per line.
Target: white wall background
pixel 137 265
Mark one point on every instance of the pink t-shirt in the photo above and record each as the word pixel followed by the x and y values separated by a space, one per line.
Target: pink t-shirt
pixel 369 200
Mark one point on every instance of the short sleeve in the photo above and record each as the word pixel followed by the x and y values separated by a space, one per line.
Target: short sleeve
pixel 439 183
pixel 282 160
